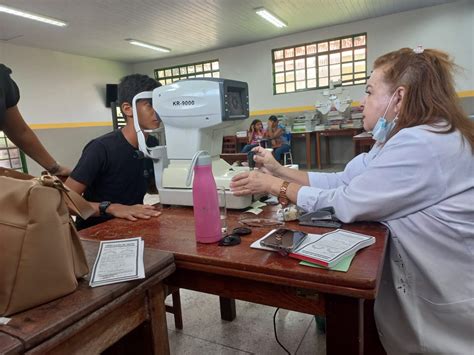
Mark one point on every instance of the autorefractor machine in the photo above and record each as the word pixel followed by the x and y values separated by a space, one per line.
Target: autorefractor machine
pixel 194 113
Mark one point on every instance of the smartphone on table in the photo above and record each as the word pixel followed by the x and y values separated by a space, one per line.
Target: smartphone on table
pixel 283 239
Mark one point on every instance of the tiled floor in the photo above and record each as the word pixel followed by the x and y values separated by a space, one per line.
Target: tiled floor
pixel 250 333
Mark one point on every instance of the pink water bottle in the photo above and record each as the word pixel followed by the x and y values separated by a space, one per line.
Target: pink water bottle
pixel 206 205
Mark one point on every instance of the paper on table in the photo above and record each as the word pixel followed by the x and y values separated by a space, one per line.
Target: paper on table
pixel 118 261
pixel 258 204
pixel 255 211
pixel 343 265
pixel 151 199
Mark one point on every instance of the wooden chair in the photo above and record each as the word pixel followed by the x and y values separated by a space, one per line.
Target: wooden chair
pixel 229 144
pixel 175 308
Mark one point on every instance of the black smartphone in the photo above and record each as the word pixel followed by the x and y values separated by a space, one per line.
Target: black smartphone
pixel 284 239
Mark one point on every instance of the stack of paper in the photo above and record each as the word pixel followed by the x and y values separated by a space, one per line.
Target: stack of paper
pixel 118 261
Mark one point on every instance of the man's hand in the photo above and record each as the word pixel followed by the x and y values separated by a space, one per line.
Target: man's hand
pixel 132 213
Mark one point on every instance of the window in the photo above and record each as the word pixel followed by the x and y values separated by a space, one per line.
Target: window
pixel 10 155
pixel 209 69
pixel 314 65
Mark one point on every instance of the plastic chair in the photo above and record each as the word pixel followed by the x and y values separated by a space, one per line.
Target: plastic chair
pixel 287 156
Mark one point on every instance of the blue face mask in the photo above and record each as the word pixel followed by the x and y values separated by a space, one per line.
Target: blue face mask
pixel 382 128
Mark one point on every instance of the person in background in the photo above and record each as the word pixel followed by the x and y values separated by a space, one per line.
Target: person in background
pixel 16 129
pixel 254 135
pixel 112 177
pixel 418 180
pixel 276 134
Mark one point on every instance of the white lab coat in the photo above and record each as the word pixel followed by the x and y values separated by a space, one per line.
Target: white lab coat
pixel 421 185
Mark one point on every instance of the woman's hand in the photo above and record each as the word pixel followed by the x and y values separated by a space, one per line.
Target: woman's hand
pixel 132 213
pixel 253 182
pixel 265 161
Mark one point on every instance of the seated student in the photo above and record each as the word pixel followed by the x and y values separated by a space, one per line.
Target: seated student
pixel 16 129
pixel 276 133
pixel 109 173
pixel 254 135
pixel 418 180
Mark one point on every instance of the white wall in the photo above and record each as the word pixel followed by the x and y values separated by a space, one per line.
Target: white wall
pixel 57 87
pixel 448 27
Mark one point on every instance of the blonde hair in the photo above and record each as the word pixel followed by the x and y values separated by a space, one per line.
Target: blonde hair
pixel 430 96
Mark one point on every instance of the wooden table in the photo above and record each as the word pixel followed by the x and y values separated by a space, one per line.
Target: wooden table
pixel 233 157
pixel 90 320
pixel 331 133
pixel 363 142
pixel 264 277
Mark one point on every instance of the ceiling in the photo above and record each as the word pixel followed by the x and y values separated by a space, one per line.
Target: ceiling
pixel 97 28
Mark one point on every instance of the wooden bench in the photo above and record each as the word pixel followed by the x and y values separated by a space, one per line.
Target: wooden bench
pixel 90 320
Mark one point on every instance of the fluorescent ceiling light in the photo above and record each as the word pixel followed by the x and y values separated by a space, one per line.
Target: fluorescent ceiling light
pixel 32 16
pixel 147 45
pixel 267 15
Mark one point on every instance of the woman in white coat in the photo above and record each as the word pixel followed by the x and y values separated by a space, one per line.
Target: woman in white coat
pixel 419 181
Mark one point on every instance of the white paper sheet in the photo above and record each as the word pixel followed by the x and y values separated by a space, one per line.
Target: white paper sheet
pixel 118 261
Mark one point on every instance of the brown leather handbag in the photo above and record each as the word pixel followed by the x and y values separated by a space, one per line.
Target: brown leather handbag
pixel 41 255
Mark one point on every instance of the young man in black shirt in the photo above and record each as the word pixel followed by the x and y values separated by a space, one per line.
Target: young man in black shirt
pixel 109 173
pixel 16 129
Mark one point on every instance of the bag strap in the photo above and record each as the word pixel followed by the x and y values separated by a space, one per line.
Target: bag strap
pixel 14 174
pixel 74 201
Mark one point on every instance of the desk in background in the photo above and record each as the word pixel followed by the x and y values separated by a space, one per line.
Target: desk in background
pixel 363 142
pixel 232 158
pixel 90 320
pixel 307 138
pixel 328 133
pixel 240 272
pixel 233 144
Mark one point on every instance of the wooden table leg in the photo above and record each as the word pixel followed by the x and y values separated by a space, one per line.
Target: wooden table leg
pixel 177 313
pixel 328 157
pixel 350 327
pixel 356 148
pixel 307 137
pixel 318 150
pixel 157 311
pixel 371 335
pixel 343 325
pixel 227 308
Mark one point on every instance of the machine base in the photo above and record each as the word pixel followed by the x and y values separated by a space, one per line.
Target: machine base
pixel 184 197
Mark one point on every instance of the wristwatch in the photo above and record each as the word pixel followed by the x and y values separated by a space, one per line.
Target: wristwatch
pixel 282 198
pixel 103 207
pixel 54 168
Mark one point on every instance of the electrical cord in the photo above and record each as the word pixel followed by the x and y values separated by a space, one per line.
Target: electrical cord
pixel 275 330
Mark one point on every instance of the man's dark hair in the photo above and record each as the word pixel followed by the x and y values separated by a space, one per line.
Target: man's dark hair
pixel 273 118
pixel 131 85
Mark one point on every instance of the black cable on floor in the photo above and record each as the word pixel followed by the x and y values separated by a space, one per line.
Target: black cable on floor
pixel 275 330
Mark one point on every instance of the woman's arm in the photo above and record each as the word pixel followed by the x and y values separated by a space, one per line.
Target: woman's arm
pixel 249 136
pixel 24 138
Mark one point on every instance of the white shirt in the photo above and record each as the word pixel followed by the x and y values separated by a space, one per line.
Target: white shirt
pixel 421 185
